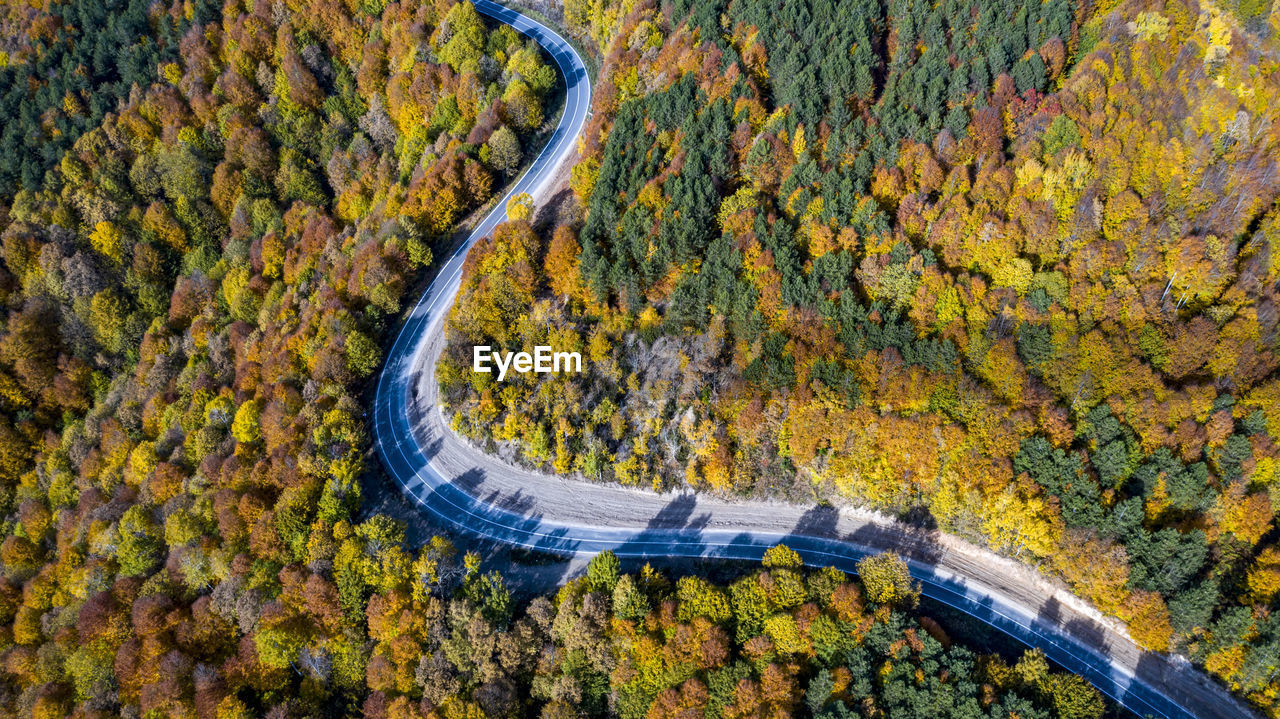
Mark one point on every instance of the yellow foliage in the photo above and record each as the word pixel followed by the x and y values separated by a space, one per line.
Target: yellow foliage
pixel 1148 619
pixel 520 207
pixel 742 199
pixel 1226 662
pixel 582 178
pixel 1264 576
pixel 1247 517
pixel 141 461
pixel 107 239
pixel 1004 372
pixel 1063 183
pixel 1151 26
pixel 1015 273
pixel 1097 570
pixel 172 72
pixel 1016 521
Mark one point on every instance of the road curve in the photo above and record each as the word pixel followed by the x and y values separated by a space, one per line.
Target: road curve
pixel 480 495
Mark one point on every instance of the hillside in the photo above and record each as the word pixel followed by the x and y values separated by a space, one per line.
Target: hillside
pixel 1003 269
pixel 210 217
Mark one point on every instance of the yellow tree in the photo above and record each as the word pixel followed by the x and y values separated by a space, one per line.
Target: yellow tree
pixel 1018 519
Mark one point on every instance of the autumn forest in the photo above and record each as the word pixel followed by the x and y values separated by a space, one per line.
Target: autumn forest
pixel 1003 269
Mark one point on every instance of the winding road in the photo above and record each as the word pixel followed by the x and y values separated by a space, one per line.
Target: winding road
pixel 479 494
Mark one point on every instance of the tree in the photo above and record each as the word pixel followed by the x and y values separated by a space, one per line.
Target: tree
pixel 524 107
pixel 20 554
pixel 1148 619
pixel 781 556
pixel 465 41
pixel 139 542
pixel 699 598
pixel 1248 517
pixel 246 427
pixel 108 240
pixel 362 354
pixel 820 688
pixel 526 63
pixel 278 645
pixel 887 580
pixel 520 207
pixel 1264 576
pixel 561 266
pixel 629 602
pixel 108 314
pixel 603 571
pixel 1167 560
pixel 296 179
pixel 489 591
pixel 1063 475
pixel 505 155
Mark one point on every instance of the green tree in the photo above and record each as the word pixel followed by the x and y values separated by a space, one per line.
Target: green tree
pixel 278 645
pixel 1075 698
pixel 527 64
pixel 363 354
pixel 139 545
pixel 489 591
pixel 629 602
pixel 504 151
pixel 603 571
pixel 466 38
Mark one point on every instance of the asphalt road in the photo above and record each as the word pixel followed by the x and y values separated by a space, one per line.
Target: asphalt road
pixel 479 494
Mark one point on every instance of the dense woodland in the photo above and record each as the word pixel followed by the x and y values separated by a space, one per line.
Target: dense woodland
pixel 209 218
pixel 1007 269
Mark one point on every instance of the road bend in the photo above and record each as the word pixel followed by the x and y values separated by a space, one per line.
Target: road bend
pixel 462 487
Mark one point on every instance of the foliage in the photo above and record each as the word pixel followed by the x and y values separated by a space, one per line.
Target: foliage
pixel 209 218
pixel 1008 267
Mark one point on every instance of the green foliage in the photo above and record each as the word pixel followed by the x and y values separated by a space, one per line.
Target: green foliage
pixel 90 672
pixel 629 602
pixel 925 275
pixel 602 572
pixel 489 591
pixel 1074 698
pixel 892 271
pixel 1167 560
pixel 527 64
pixel 465 46
pixel 750 607
pixel 827 658
pixel 363 355
pixel 1064 476
pixel 139 542
pixel 278 646
pixel 504 151
pixel 93 56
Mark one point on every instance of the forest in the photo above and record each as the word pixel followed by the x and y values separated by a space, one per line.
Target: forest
pixel 994 228
pixel 1007 270
pixel 210 217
